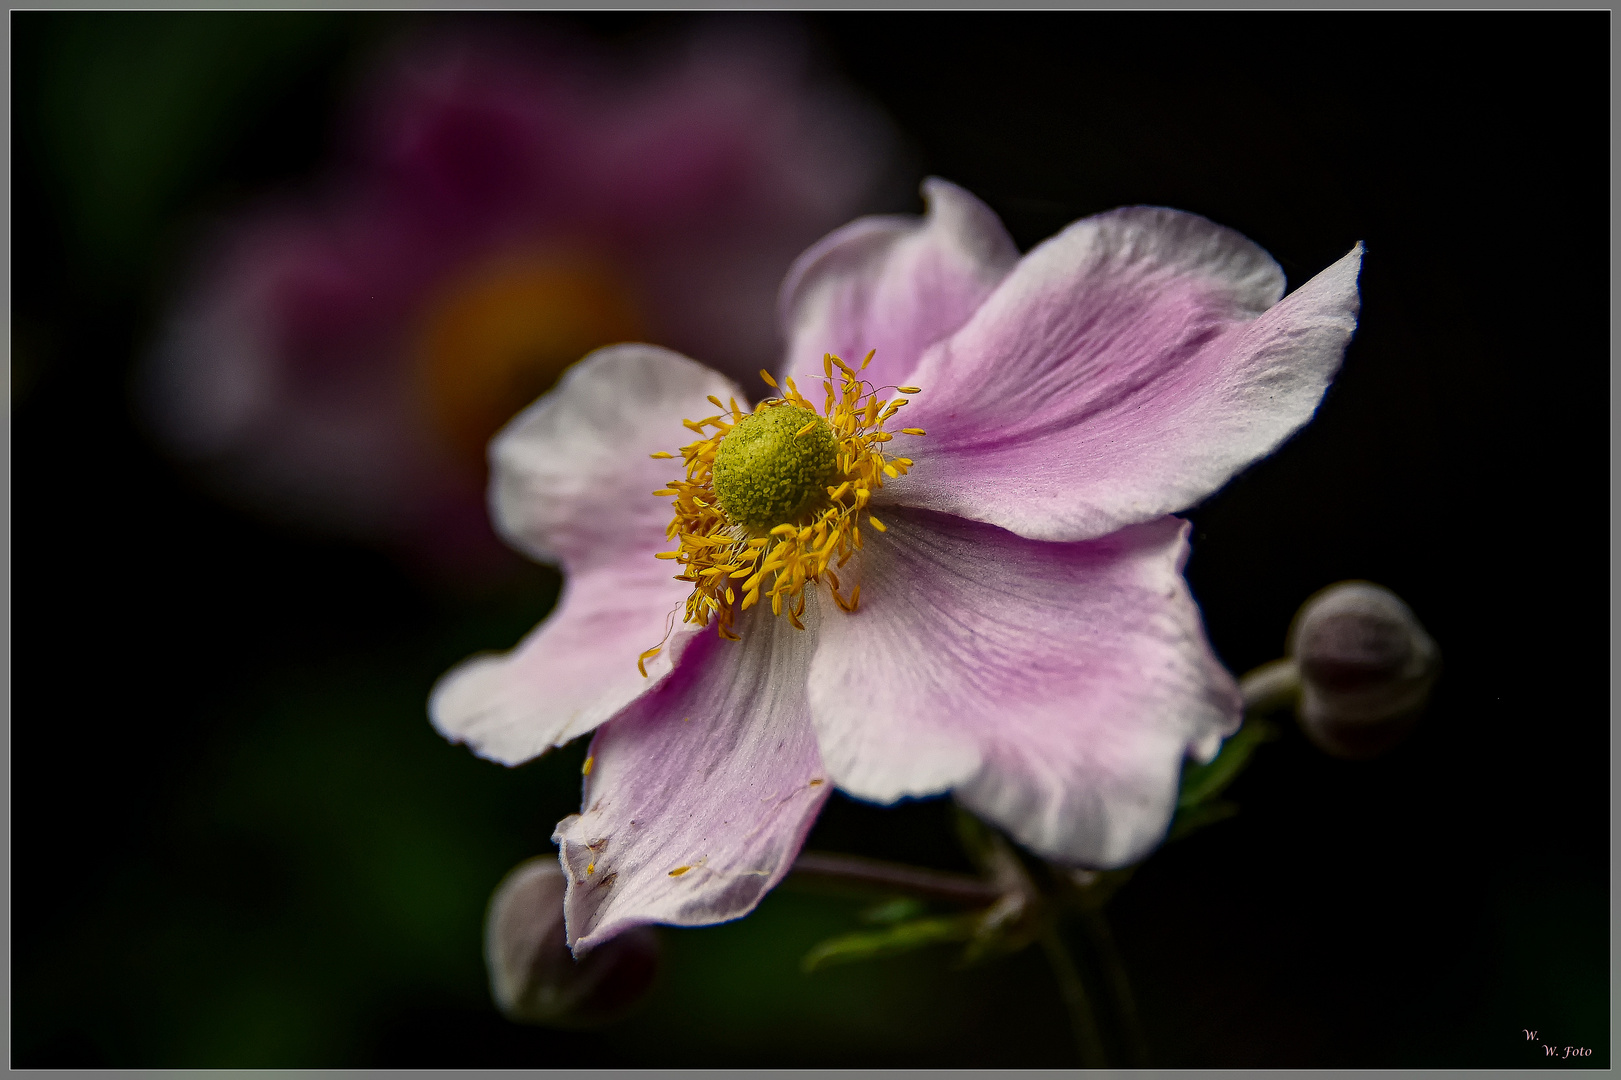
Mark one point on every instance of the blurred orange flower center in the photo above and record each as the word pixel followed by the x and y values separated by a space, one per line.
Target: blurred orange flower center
pixel 498 338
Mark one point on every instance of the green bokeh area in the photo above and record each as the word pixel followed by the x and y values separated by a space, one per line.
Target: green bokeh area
pixel 133 109
pixel 239 842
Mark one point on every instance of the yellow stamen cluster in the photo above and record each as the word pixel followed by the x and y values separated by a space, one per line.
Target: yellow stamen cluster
pixel 733 565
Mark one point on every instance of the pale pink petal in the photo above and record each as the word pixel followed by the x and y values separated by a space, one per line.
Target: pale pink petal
pixel 571 477
pixel 1056 687
pixel 572 481
pixel 573 671
pixel 1124 370
pixel 896 284
pixel 700 795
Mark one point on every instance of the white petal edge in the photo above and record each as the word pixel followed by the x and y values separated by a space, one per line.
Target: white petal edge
pixel 571 477
pixel 575 670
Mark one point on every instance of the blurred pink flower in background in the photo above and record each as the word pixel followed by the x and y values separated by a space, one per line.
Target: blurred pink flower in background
pixel 340 360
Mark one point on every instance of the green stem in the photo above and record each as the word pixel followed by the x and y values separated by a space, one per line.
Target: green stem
pixel 874 874
pixel 1081 1018
pixel 1270 687
pixel 1125 1002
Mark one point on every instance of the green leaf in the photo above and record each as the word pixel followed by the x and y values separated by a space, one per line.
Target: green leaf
pixel 136 107
pixel 1194 818
pixel 1202 782
pixel 890 941
pixel 896 910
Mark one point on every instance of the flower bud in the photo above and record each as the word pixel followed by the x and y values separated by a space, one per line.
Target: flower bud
pixel 533 976
pixel 1366 668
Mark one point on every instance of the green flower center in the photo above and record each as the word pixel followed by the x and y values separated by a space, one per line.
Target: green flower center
pixel 775 466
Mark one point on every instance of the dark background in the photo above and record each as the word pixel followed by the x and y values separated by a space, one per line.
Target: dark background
pixel 236 840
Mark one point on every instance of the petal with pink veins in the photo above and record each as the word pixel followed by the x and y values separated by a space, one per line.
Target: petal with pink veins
pixel 1056 687
pixel 1127 368
pixel 700 795
pixel 572 480
pixel 896 284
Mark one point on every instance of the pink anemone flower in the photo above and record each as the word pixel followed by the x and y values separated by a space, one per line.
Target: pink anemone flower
pixel 988 601
pixel 340 359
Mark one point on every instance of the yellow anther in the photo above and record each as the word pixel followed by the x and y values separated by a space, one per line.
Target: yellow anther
pixel 909 389
pixel 661 454
pixel 913 431
pixel 585 770
pixel 678 871
pixel 751 539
